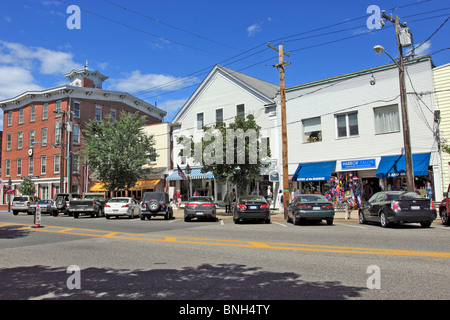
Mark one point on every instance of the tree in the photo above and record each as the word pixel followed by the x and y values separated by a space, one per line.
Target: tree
pixel 234 153
pixel 27 187
pixel 118 150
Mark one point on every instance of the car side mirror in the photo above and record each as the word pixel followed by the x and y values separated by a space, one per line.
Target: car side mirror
pixel 445 194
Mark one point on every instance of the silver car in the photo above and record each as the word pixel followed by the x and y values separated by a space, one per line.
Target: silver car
pixel 200 208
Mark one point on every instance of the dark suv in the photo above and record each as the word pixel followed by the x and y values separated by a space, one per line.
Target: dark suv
pixel 156 204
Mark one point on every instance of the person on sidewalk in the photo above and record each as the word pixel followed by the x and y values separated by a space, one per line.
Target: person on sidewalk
pixel 280 201
pixel 227 201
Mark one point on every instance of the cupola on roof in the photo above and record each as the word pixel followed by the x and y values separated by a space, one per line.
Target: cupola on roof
pixel 86 78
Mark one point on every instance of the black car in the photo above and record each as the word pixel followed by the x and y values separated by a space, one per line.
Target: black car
pixel 156 204
pixel 251 208
pixel 311 207
pixel 388 207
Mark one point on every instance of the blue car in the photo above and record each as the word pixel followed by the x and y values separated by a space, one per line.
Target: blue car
pixel 310 207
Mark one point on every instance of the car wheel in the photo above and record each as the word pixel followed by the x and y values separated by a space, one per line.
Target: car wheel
pixel 267 221
pixel 75 215
pixel 444 218
pixel 383 220
pixel 362 220
pixel 142 217
pixel 107 217
pixel 329 222
pixel 15 212
pixel 55 213
pixel 295 221
pixel 186 219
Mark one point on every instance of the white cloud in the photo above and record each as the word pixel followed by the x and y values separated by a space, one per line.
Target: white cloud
pixel 172 107
pixel 137 81
pixel 50 62
pixel 256 27
pixel 14 81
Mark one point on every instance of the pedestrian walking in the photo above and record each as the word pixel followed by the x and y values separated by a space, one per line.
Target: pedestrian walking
pixel 280 201
pixel 269 195
pixel 227 201
pixel 178 194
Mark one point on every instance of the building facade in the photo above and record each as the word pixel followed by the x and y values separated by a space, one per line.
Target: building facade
pixel 345 134
pixel 223 95
pixel 42 132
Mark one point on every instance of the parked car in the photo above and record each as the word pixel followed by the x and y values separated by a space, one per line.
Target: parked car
pixel 444 208
pixel 199 207
pixel 46 205
pixel 251 207
pixel 310 207
pixel 156 204
pixel 62 202
pixel 388 207
pixel 122 206
pixel 23 203
pixel 93 204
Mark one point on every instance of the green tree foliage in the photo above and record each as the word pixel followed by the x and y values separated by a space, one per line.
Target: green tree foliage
pixel 27 187
pixel 118 150
pixel 238 172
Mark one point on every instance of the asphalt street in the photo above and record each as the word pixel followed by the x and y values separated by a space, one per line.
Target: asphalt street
pixel 161 259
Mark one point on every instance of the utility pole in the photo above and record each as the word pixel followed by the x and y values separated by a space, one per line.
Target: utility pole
pixel 281 66
pixel 404 105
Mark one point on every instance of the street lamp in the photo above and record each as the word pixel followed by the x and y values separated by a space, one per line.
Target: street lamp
pixel 188 171
pixel 406 136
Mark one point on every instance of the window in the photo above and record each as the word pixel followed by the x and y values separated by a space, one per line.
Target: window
pixel 19 167
pixel 8 141
pixel 43 164
pixel 19 140
pixel 240 110
pixel 8 167
pixel 30 166
pixel 32 134
pixel 76 134
pixel 75 164
pixel 347 125
pixel 387 119
pixel 44 136
pixel 76 109
pixel 219 115
pixel 33 113
pixel 56 160
pixel 45 111
pixel 200 121
pixel 312 130
pixel 58 107
pixel 113 114
pixel 10 114
pixel 98 113
pixel 57 133
pixel 152 156
pixel 20 115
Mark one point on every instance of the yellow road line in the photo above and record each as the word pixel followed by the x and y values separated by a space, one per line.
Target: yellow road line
pixel 232 242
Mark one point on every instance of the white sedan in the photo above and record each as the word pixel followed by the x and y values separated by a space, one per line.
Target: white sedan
pixel 122 206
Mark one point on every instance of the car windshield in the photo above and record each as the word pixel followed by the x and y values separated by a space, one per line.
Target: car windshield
pixel 20 199
pixel 44 201
pixel 154 195
pixel 200 199
pixel 252 199
pixel 312 197
pixel 118 200
pixel 92 196
pixel 404 196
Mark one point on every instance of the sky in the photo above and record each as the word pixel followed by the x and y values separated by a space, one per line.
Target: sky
pixel 160 51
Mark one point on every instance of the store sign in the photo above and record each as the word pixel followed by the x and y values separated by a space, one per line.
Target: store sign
pixel 359 164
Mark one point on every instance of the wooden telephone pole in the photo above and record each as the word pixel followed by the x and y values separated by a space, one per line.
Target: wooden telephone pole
pixel 403 100
pixel 281 66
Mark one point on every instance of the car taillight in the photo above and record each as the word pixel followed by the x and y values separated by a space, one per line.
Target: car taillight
pixel 304 207
pixel 207 204
pixel 395 206
pixel 241 206
pixel 327 207
pixel 191 204
pixel 144 206
pixel 125 206
pixel 107 206
pixel 264 206
pixel 432 206
pixel 28 204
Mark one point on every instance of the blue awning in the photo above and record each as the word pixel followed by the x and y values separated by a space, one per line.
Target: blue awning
pixel 394 166
pixel 195 174
pixel 314 171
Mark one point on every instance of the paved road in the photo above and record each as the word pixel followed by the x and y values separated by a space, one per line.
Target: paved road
pixel 172 259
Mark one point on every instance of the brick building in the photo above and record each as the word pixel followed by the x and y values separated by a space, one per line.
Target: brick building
pixel 42 130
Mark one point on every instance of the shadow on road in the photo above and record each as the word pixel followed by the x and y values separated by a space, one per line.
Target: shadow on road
pixel 13 232
pixel 205 282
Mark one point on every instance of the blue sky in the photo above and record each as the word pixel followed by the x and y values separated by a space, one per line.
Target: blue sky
pixel 161 50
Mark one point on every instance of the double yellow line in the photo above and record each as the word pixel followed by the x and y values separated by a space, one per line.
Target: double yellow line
pixel 229 242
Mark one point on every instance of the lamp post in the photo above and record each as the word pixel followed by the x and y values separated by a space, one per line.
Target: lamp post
pixel 188 171
pixel 406 135
pixel 9 194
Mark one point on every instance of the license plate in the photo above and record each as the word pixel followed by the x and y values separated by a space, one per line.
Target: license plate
pixel 316 208
pixel 199 213
pixel 253 207
pixel 415 207
pixel 115 210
